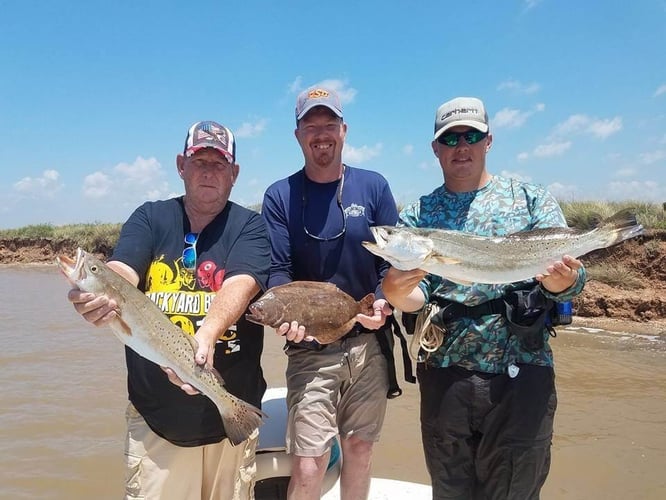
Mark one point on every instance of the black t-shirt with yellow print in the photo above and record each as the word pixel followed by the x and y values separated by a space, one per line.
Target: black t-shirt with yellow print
pixel 152 243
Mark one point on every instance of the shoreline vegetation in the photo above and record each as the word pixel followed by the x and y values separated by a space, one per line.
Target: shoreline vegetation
pixel 626 285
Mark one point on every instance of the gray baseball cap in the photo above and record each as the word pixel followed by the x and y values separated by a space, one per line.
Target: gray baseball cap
pixel 317 96
pixel 468 111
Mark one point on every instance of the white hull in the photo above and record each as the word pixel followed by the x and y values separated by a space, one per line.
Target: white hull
pixel 274 465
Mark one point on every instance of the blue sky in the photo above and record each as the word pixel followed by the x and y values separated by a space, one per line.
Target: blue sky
pixel 96 97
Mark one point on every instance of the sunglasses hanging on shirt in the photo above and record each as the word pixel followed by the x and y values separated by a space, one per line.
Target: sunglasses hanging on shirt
pixel 341 183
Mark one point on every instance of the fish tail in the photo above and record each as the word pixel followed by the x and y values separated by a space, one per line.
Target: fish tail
pixel 367 303
pixel 240 419
pixel 621 226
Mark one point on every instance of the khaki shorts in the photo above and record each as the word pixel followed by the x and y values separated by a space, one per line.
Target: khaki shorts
pixel 157 468
pixel 341 389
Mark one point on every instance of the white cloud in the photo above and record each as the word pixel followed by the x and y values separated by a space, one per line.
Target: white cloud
pixel 551 149
pixel 45 185
pixel 519 87
pixel 347 94
pixel 653 157
pixel 297 85
pixel 408 149
pixel 580 124
pixel 649 191
pixel 248 129
pixel 128 183
pixel 565 192
pixel 142 171
pixel 523 156
pixel 516 175
pixel 575 123
pixel 361 154
pixel 660 90
pixel 96 185
pixel 605 128
pixel 625 172
pixel 529 4
pixel 510 118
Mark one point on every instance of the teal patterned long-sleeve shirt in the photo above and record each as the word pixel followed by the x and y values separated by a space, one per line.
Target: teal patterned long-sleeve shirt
pixel 502 207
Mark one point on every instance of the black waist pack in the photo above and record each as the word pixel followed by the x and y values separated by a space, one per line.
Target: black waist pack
pixel 527 313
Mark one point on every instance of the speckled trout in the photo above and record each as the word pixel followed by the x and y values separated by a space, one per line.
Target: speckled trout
pixel 467 258
pixel 141 325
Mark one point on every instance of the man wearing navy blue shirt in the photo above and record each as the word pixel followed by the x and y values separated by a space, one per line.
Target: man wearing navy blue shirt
pixel 317 219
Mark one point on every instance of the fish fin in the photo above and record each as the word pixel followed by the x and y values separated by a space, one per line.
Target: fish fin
pixel 122 326
pixel 620 220
pixel 241 419
pixel 366 304
pixel 444 260
pixel 328 336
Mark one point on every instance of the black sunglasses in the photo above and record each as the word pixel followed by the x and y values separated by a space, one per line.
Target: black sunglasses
pixel 341 183
pixel 453 138
pixel 190 251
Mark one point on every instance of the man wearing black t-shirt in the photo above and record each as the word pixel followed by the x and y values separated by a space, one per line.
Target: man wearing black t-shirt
pixel 202 259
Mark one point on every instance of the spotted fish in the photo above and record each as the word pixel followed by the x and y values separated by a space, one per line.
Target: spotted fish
pixel 141 325
pixel 467 258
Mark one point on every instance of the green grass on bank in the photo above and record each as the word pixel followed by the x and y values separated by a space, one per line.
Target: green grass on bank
pixel 93 236
pixel 579 214
pixel 101 238
pixel 586 214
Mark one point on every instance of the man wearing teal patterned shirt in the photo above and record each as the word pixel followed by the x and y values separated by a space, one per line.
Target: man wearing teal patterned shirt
pixel 488 394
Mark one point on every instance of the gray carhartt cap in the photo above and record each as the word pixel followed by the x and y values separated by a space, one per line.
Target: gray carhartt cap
pixel 468 111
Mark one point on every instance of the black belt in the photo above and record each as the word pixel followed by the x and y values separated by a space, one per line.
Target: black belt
pixel 450 310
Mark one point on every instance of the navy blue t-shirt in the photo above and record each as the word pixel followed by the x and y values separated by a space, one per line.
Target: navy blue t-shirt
pixel 235 242
pixel 296 204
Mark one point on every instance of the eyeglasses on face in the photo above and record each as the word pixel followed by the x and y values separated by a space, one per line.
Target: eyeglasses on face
pixel 190 251
pixel 452 139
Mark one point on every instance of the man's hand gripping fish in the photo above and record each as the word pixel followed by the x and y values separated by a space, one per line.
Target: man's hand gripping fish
pixel 140 325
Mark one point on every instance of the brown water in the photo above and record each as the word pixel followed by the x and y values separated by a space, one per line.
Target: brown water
pixel 63 401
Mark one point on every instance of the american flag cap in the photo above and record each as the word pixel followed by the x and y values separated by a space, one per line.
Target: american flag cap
pixel 208 134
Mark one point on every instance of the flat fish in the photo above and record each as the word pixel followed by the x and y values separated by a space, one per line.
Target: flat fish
pixel 327 312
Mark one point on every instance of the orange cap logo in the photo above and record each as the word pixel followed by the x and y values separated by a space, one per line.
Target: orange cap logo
pixel 317 93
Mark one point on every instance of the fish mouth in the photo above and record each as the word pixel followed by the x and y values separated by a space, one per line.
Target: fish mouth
pixel 253 319
pixel 72 269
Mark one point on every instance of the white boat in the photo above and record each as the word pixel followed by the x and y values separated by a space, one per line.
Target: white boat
pixel 274 465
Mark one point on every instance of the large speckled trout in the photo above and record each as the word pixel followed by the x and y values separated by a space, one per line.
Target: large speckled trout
pixel 467 258
pixel 327 312
pixel 141 325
